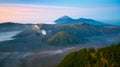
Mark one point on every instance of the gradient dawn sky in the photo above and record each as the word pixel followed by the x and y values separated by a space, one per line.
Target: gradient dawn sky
pixel 34 11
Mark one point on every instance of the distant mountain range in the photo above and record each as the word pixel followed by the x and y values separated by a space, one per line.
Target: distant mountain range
pixel 69 20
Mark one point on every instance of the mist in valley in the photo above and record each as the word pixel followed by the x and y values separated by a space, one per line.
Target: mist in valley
pixel 48 57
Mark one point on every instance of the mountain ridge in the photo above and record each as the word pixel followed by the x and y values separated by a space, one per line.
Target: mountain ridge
pixel 69 20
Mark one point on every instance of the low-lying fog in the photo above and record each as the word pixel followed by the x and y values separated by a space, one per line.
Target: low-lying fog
pixel 48 58
pixel 8 35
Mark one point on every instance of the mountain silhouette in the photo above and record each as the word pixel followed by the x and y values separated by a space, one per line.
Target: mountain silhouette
pixel 69 20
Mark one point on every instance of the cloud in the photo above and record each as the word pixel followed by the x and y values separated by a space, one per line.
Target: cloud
pixel 42 13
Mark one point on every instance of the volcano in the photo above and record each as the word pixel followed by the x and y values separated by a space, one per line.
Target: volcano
pixel 64 38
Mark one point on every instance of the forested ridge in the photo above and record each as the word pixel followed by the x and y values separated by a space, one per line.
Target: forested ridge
pixel 89 57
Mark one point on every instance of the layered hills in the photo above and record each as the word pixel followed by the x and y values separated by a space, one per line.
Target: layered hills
pixel 79 30
pixel 31 39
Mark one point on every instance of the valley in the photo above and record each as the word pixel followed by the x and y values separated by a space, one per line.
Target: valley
pixel 30 48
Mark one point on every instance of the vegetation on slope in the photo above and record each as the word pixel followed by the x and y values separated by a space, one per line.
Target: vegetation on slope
pixel 103 57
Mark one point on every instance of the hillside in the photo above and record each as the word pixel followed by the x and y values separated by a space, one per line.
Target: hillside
pixel 64 38
pixel 103 57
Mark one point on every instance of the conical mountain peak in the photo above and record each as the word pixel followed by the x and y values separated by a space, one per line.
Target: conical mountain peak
pixel 64 38
pixel 66 16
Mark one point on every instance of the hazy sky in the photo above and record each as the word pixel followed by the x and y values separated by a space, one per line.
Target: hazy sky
pixel 49 10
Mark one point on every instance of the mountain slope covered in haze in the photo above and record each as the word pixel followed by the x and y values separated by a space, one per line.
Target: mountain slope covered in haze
pixel 10 26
